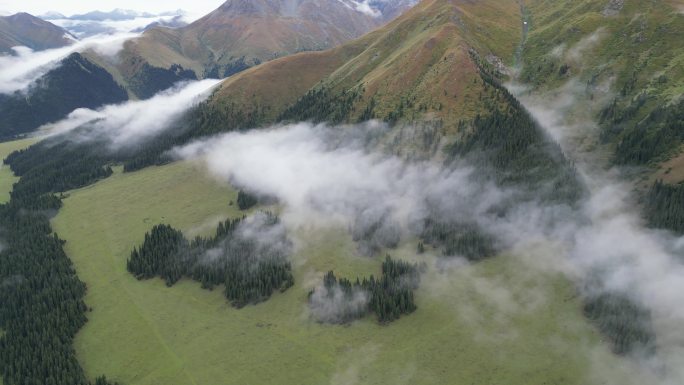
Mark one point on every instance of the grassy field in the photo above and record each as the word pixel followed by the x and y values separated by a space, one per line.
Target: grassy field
pixel 7 178
pixel 499 322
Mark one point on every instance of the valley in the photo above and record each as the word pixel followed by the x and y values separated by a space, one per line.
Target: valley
pixel 351 192
pixel 142 332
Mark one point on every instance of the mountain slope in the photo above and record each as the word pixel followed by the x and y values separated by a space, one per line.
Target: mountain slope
pixel 623 61
pixel 424 64
pixel 75 83
pixel 242 33
pixel 23 29
pixel 632 49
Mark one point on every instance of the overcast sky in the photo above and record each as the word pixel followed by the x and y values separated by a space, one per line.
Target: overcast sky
pixel 70 7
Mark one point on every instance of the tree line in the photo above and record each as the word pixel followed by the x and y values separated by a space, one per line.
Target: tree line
pixel 250 269
pixel 664 206
pixel 457 239
pixel 513 150
pixel 42 304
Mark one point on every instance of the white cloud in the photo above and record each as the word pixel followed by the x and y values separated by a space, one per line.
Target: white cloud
pixel 133 121
pixel 324 174
pixel 85 28
pixel 18 72
pixel 196 8
pixel 319 177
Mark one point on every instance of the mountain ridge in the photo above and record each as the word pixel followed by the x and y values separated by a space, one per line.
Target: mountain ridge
pixel 23 29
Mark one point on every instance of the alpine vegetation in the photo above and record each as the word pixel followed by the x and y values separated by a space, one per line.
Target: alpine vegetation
pixel 249 256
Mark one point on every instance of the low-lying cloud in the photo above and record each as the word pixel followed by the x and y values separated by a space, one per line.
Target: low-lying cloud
pixel 325 174
pixel 84 28
pixel 21 70
pixel 609 239
pixel 132 122
pixel 322 174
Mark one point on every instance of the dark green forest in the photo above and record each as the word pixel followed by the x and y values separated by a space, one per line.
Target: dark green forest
pixel 245 200
pixel 76 83
pixel 42 304
pixel 388 297
pixel 641 141
pixel 626 325
pixel 466 240
pixel 250 269
pixel 149 80
pixel 514 150
pixel 664 207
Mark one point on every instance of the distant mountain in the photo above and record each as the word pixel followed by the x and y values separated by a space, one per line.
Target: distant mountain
pixel 75 83
pixel 114 15
pixel 26 30
pixel 391 9
pixel 52 15
pixel 175 22
pixel 242 33
pixel 118 20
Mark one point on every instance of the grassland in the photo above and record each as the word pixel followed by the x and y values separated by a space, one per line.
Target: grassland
pixel 7 178
pixel 498 322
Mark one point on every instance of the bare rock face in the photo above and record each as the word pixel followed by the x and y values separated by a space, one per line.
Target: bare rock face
pixel 613 8
pixel 497 63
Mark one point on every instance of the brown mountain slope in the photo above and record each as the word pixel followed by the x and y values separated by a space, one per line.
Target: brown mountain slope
pixel 420 64
pixel 23 29
pixel 242 33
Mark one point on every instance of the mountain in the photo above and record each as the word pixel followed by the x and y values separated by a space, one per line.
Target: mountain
pixel 243 33
pixel 624 62
pixel 117 14
pixel 422 66
pixel 75 83
pixel 26 30
pixel 52 15
pixel 434 74
pixel 240 34
pixel 175 22
pixel 633 48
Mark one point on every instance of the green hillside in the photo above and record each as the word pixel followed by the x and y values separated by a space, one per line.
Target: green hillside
pixel 624 64
pixel 633 51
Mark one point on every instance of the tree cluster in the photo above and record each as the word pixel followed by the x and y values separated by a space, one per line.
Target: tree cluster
pixel 251 269
pixel 323 104
pixel 245 200
pixel 388 297
pixel 626 325
pixel 149 80
pixel 664 206
pixel 456 239
pixel 656 137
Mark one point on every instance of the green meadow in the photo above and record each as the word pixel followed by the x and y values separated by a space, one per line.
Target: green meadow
pixel 7 178
pixel 497 322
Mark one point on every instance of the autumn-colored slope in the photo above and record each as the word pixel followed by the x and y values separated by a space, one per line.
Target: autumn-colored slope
pixel 424 61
